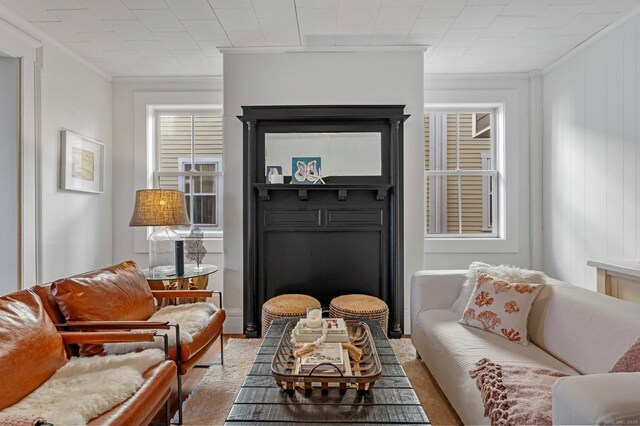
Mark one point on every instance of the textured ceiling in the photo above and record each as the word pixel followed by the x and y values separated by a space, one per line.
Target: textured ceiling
pixel 180 37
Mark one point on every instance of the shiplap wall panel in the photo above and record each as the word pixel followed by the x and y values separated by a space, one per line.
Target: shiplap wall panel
pixel 595 153
pixel 629 145
pixel 591 156
pixel 614 156
pixel 637 121
pixel 575 173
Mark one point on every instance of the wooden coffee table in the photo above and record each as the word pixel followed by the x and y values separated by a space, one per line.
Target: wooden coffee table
pixel 261 401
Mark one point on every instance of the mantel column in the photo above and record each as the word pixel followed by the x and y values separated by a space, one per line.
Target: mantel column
pixel 249 218
pixel 397 229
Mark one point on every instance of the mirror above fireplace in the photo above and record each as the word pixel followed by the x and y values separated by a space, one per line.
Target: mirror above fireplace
pixel 342 153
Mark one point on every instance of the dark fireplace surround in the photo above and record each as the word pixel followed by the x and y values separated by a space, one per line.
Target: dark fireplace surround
pixel 327 240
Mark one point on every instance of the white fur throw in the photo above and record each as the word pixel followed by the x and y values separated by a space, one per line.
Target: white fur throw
pixel 513 274
pixel 191 317
pixel 84 388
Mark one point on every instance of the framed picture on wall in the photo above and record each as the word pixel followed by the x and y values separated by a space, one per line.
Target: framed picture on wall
pixel 82 163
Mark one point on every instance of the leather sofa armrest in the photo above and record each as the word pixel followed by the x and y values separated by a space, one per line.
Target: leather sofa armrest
pixel 79 337
pixel 610 398
pixel 115 325
pixel 181 293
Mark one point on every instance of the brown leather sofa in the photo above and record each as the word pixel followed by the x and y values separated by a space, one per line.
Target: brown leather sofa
pixel 32 350
pixel 119 297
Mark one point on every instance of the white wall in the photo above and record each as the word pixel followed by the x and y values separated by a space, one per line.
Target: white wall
pixel 76 227
pixel 591 155
pixel 513 92
pixel 320 78
pixel 130 101
pixel 9 182
pixel 63 232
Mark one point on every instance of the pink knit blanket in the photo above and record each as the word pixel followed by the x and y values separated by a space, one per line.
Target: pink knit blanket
pixel 514 395
pixel 19 420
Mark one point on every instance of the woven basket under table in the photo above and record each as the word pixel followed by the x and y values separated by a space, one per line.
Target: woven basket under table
pixel 286 305
pixel 355 306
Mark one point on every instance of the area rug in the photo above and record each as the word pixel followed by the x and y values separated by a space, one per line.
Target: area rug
pixel 210 402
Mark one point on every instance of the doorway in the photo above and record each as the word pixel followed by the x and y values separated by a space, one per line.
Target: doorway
pixel 10 245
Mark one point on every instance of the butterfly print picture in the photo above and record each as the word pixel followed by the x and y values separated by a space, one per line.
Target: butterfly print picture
pixel 305 170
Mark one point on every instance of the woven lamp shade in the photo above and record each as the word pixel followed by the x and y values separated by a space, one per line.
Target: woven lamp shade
pixel 159 207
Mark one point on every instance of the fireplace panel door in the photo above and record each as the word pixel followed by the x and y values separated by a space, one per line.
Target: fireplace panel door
pixel 322 264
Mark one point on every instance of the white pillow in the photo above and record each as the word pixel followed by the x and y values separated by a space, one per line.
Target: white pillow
pixel 503 272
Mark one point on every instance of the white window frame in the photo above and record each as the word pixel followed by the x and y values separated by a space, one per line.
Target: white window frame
pixel 487 193
pixel 438 181
pixel 209 231
pixel 217 192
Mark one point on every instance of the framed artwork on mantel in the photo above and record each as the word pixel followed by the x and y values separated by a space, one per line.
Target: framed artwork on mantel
pixel 81 163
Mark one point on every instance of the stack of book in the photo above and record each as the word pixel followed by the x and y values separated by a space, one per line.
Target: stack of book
pixel 323 359
pixel 336 332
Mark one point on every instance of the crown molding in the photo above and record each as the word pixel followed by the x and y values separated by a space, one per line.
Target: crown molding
pixel 593 39
pixel 37 38
pixel 167 79
pixel 10 27
pixel 467 76
pixel 326 49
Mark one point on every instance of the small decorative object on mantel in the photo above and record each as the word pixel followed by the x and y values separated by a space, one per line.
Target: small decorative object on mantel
pixel 306 170
pixel 82 163
pixel 195 248
pixel 274 174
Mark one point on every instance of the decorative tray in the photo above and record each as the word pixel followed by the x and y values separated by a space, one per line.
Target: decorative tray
pixel 360 375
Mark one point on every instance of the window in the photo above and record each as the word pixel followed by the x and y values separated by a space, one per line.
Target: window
pixel 460 174
pixel 189 157
pixel 201 192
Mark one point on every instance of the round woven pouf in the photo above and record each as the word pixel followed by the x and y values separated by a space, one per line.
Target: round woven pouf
pixel 286 305
pixel 355 306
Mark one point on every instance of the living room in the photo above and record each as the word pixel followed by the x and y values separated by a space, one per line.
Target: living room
pixel 405 150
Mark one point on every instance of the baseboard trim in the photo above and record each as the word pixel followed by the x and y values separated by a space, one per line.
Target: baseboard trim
pixel 233 323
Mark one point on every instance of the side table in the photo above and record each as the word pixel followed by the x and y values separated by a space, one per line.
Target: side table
pixel 193 279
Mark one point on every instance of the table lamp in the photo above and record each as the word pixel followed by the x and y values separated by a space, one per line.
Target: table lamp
pixel 162 208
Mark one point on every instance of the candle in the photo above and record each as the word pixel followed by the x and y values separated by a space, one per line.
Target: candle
pixel 314 318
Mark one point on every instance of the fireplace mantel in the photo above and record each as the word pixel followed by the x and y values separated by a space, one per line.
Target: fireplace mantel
pixel 345 236
pixel 341 190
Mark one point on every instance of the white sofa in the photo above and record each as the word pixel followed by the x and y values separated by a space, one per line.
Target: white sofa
pixel 573 330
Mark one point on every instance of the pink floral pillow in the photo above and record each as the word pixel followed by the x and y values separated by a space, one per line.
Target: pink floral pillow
pixel 501 307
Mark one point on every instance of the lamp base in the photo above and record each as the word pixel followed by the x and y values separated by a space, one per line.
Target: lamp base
pixel 179 252
pixel 161 256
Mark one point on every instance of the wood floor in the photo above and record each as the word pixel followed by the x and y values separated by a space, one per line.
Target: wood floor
pixel 193 377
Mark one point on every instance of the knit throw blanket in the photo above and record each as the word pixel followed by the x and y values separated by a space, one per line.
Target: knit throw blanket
pixel 20 419
pixel 514 395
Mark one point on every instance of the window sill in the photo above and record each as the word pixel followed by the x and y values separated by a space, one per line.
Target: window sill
pixel 207 235
pixel 470 245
